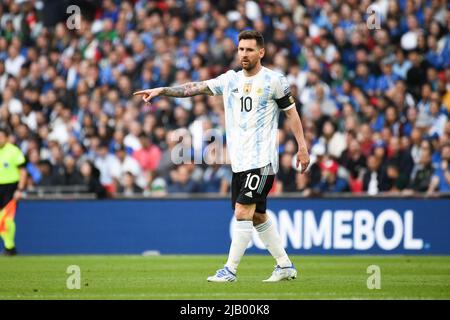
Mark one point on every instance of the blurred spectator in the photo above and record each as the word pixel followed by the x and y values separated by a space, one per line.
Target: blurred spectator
pixel 400 158
pixel 129 188
pixel 148 155
pixel 72 176
pixel 317 157
pixel 181 182
pixel 302 184
pixel 353 159
pixel 330 181
pixel 372 177
pixel 286 175
pixel 33 170
pixel 158 188
pixel 47 177
pixel 379 151
pixel 14 61
pixel 364 79
pixel 326 105
pixel 387 79
pixel 334 140
pixel 438 117
pixel 125 163
pixel 166 164
pixel 91 178
pixel 365 139
pixel 416 75
pixel 57 163
pixel 401 65
pixel 422 172
pixel 9 102
pixel 216 177
pixel 107 164
pixel 394 178
pixel 441 179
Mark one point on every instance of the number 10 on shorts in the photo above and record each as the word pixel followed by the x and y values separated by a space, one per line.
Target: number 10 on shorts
pixel 252 181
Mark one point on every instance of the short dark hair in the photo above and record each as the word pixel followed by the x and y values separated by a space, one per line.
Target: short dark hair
pixel 4 130
pixel 252 34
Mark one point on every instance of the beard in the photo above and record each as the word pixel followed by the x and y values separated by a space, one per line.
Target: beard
pixel 248 66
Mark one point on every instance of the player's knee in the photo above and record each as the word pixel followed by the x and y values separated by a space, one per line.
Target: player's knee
pixel 244 211
pixel 259 218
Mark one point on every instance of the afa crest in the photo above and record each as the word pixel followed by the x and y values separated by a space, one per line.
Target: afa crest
pixel 247 88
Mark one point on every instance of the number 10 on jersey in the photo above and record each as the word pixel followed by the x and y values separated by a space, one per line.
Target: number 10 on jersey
pixel 246 104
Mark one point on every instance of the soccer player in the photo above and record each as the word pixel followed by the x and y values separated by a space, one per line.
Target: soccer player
pixel 253 98
pixel 13 177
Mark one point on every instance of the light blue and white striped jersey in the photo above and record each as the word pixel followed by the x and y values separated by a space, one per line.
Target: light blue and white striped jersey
pixel 251 116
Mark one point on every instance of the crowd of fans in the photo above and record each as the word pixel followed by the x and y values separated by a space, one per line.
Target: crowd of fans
pixel 372 87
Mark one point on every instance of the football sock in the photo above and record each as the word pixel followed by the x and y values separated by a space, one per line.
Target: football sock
pixel 242 234
pixel 271 239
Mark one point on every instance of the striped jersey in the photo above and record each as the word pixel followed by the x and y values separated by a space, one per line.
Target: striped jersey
pixel 252 106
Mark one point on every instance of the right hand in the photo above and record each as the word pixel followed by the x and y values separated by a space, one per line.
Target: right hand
pixel 303 158
pixel 18 195
pixel 148 94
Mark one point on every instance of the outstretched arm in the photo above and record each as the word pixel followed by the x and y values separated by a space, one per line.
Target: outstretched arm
pixel 297 129
pixel 186 90
pixel 22 183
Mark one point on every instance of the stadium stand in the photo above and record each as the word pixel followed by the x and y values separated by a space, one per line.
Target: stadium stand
pixel 372 89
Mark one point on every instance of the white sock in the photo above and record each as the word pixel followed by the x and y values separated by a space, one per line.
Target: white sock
pixel 271 239
pixel 242 234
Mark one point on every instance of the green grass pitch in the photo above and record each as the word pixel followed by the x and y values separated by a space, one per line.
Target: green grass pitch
pixel 184 277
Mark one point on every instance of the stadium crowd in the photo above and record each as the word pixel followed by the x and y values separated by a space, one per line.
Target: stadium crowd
pixel 372 89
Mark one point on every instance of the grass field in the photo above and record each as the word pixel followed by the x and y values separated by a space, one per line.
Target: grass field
pixel 184 277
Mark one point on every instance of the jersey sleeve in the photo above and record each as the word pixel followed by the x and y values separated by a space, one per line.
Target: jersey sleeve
pixel 282 94
pixel 19 158
pixel 217 85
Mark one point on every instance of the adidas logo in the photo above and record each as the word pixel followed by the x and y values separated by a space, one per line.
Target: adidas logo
pixel 249 194
pixel 235 90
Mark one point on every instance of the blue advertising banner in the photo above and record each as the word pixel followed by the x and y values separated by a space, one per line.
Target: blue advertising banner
pixel 203 226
